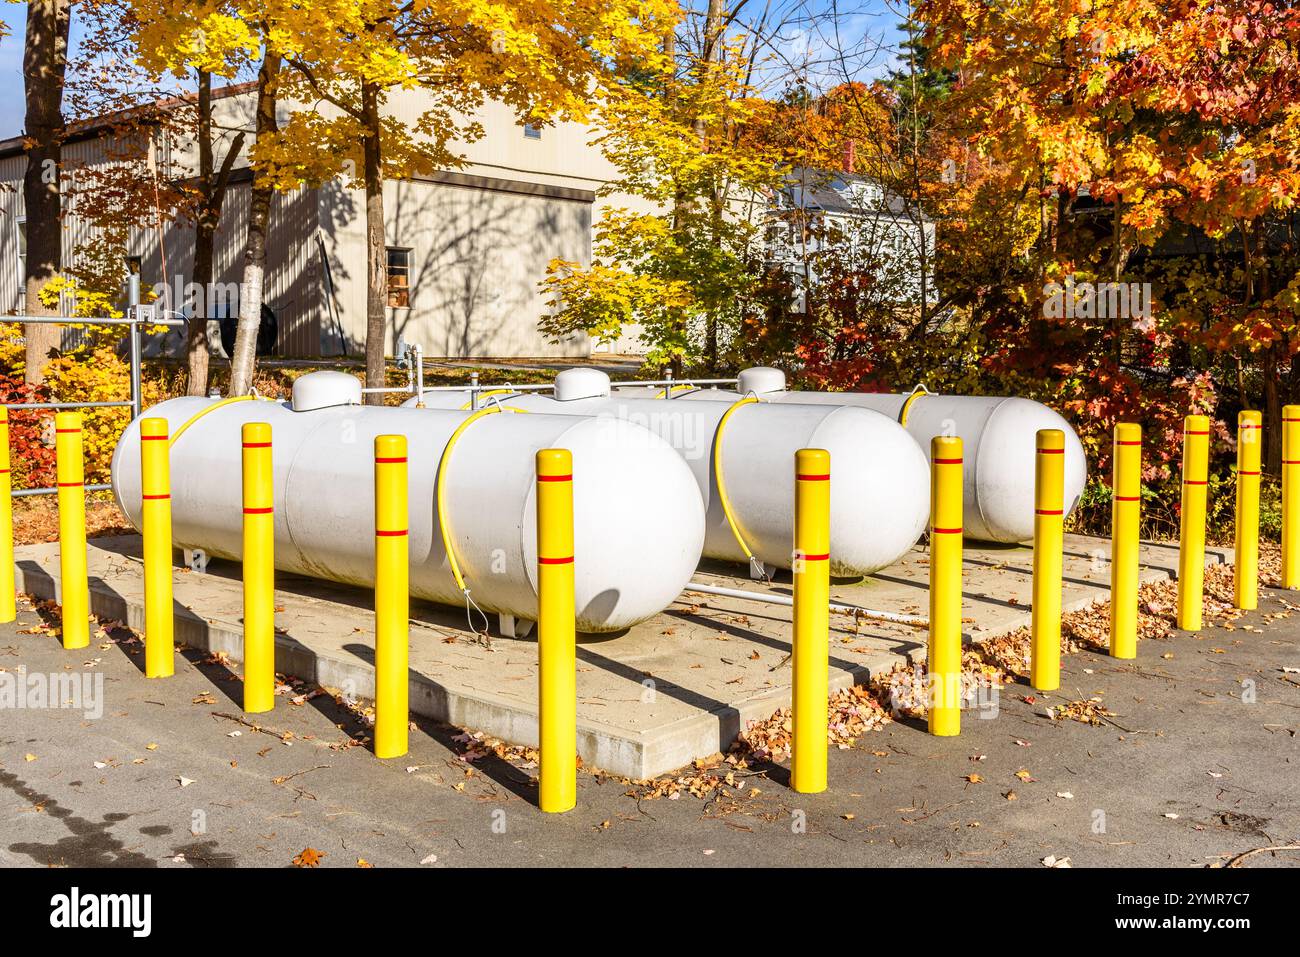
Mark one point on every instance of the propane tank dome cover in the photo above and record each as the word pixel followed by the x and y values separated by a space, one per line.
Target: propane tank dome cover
pixel 322 390
pixel 760 380
pixel 581 384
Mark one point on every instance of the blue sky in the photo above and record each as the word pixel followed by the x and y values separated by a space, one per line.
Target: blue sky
pixel 862 23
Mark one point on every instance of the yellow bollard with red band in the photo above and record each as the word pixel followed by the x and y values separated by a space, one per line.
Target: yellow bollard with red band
pixel 944 655
pixel 71 480
pixel 1291 496
pixel 392 598
pixel 1049 545
pixel 259 569
pixel 1245 578
pixel 557 690
pixel 156 517
pixel 811 643
pixel 1125 525
pixel 1191 522
pixel 8 604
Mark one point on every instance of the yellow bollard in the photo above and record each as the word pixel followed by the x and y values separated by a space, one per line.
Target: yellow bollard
pixel 1191 533
pixel 1291 496
pixel 1125 522
pixel 8 606
pixel 1049 545
pixel 156 512
pixel 557 689
pixel 71 480
pixel 812 595
pixel 945 585
pixel 1245 578
pixel 392 597
pixel 259 569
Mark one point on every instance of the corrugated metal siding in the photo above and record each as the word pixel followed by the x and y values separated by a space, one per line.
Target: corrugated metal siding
pixel 166 252
pixel 11 208
pixel 292 282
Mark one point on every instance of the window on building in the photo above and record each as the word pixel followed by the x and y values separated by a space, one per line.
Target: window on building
pixel 21 228
pixel 399 277
pixel 532 131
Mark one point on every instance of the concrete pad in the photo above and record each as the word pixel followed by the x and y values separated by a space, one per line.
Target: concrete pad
pixel 651 699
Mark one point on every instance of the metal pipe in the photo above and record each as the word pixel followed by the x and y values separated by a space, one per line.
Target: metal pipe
pixel 855 610
pixel 68 405
pixel 406 360
pixel 24 492
pixel 133 334
pixel 79 321
pixel 669 382
pixel 476 387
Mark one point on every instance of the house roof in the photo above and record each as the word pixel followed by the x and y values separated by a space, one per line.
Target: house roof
pixel 95 126
pixel 847 194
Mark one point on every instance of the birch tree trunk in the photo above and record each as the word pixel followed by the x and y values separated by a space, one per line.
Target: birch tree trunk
pixel 244 361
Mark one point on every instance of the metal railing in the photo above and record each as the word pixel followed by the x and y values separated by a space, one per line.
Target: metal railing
pixel 137 316
pixel 415 358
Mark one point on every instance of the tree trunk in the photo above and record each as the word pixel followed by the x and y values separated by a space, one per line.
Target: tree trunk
pixel 243 362
pixel 205 227
pixel 376 256
pixel 45 59
pixel 212 190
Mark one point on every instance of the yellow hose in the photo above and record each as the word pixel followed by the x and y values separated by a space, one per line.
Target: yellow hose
pixel 666 391
pixel 209 408
pixel 919 391
pixel 723 500
pixel 443 528
pixel 484 395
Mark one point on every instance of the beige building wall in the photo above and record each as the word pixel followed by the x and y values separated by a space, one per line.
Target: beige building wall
pixel 480 237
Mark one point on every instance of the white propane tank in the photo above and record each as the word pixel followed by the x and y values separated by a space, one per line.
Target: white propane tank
pixel 638 518
pixel 879 485
pixel 998 437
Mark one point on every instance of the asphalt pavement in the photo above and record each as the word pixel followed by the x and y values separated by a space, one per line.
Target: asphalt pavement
pixel 1192 762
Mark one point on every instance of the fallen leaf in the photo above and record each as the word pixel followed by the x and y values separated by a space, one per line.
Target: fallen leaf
pixel 308 857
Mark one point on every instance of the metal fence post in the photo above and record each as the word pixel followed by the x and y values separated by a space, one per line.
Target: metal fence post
pixel 133 304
